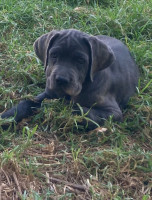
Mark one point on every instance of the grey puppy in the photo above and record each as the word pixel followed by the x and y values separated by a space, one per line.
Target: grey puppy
pixel 97 72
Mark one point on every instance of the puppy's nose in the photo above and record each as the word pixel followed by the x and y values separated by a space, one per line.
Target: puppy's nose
pixel 62 80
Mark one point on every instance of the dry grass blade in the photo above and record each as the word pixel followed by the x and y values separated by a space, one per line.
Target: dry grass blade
pixel 17 184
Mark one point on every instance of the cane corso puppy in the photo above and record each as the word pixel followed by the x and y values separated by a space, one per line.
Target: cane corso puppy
pixel 97 72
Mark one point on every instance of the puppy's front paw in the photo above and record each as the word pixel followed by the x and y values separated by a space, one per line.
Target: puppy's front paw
pixel 22 110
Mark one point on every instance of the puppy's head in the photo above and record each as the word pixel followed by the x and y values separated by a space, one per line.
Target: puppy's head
pixel 70 58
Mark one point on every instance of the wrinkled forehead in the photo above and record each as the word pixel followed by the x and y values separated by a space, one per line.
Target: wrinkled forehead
pixel 71 40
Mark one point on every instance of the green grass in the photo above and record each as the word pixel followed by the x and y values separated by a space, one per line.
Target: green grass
pixel 112 163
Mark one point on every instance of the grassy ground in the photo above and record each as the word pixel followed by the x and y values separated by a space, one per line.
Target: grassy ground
pixel 46 157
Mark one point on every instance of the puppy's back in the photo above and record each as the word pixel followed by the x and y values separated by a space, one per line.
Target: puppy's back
pixel 124 71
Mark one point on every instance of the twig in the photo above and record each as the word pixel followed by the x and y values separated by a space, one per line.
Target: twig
pixel 17 183
pixel 47 177
pixel 75 186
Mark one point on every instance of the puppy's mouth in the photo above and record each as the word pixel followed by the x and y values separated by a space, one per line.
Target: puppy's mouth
pixel 73 90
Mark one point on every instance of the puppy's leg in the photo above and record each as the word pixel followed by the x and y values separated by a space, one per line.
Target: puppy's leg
pixel 25 108
pixel 98 115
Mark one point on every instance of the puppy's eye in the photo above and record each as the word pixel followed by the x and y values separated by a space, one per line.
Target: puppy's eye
pixel 81 60
pixel 54 55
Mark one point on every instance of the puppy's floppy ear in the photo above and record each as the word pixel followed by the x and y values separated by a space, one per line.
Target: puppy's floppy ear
pixel 102 55
pixel 43 44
